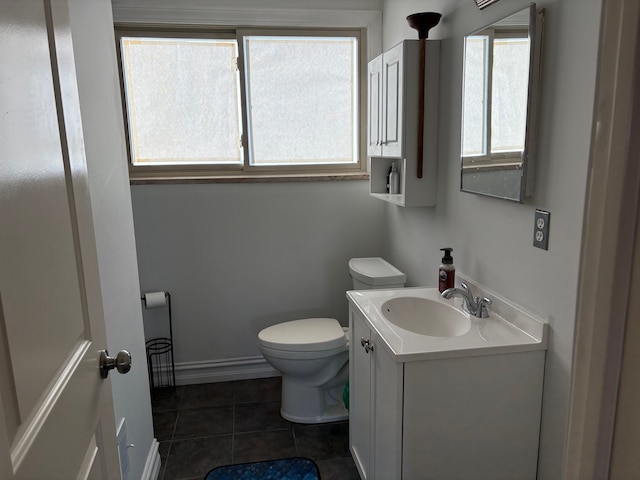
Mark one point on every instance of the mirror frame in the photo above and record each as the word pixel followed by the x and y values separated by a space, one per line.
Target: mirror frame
pixel 527 168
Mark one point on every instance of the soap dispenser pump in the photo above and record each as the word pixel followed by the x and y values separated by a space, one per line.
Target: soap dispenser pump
pixel 447 272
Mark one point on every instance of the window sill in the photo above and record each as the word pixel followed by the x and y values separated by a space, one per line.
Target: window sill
pixel 489 167
pixel 319 177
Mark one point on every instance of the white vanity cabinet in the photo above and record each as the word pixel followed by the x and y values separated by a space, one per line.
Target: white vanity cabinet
pixel 392 127
pixel 442 418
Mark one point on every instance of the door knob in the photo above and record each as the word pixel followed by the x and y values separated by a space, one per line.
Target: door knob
pixel 122 362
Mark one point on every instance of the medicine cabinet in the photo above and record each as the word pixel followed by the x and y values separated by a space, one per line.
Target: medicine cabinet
pixel 499 106
pixel 392 129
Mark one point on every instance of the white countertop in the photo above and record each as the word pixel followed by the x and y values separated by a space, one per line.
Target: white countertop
pixel 487 336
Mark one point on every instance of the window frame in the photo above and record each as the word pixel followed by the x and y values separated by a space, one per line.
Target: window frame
pixel 247 172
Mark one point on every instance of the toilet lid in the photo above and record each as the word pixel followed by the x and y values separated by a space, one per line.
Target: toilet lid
pixel 307 335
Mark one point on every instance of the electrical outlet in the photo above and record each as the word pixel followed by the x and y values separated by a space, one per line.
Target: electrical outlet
pixel 541 229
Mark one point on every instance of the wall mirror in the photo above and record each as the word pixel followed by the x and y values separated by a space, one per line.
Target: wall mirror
pixel 499 106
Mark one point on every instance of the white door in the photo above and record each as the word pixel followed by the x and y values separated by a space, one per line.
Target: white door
pixel 56 412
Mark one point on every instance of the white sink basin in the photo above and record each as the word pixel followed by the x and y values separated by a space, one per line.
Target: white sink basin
pixel 416 323
pixel 426 317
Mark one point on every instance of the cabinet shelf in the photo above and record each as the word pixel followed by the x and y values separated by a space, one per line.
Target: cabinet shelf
pixel 397 199
pixel 393 82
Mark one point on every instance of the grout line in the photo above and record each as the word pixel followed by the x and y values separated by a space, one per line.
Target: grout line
pixel 182 390
pixel 171 443
pixel 175 426
pixel 233 425
pixel 295 441
pixel 166 463
pixel 173 433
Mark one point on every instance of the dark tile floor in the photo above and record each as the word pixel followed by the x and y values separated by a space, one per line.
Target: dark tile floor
pixel 204 426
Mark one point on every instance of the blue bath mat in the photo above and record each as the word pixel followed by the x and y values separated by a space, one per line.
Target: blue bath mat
pixel 297 468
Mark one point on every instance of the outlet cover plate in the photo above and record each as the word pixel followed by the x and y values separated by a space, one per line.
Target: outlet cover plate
pixel 541 229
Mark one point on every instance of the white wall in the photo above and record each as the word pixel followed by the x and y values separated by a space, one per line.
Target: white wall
pixel 98 86
pixel 294 13
pixel 239 257
pixel 492 238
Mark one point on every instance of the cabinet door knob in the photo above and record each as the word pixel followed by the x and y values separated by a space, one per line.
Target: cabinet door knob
pixel 366 344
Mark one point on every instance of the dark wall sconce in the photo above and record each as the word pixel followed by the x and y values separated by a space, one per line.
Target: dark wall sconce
pixel 484 3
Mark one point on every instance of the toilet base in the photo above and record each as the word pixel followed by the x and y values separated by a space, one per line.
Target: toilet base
pixel 333 413
pixel 305 404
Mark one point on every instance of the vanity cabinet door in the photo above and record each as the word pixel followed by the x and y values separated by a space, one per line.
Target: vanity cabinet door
pixel 360 382
pixel 387 413
pixel 374 125
pixel 375 405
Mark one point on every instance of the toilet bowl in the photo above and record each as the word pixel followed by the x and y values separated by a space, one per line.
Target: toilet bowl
pixel 312 354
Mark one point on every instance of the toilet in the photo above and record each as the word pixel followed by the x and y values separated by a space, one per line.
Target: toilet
pixel 312 354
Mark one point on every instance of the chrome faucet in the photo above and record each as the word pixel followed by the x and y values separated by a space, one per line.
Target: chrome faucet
pixel 476 306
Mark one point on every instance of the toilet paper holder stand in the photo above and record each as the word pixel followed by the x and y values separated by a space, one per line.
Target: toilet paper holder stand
pixel 160 362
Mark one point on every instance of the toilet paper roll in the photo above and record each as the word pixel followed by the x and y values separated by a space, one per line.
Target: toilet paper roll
pixel 155 299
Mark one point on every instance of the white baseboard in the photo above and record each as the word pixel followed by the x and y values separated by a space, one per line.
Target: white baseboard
pixel 152 465
pixel 241 368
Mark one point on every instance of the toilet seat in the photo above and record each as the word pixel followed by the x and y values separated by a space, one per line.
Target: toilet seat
pixel 306 335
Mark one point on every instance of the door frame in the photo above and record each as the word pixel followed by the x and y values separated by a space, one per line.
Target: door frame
pixel 608 247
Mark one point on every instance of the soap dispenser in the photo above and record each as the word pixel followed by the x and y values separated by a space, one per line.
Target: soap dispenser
pixel 447 272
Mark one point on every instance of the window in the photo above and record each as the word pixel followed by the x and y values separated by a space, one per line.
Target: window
pixel 183 103
pixel 495 97
pixel 509 94
pixel 242 102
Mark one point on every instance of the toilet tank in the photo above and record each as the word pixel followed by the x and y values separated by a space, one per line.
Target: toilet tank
pixel 375 272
